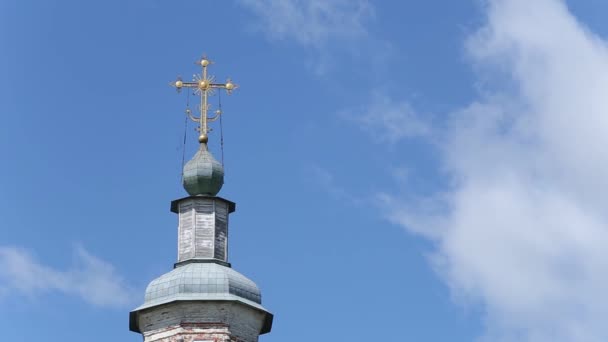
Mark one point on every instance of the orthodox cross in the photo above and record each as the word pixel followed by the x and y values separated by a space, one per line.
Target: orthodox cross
pixel 203 85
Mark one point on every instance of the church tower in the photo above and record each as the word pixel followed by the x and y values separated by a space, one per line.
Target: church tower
pixel 202 299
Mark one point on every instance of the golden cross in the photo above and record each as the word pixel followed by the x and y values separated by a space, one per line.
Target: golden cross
pixel 204 86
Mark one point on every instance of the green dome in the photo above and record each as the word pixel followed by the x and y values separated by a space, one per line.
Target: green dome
pixel 202 281
pixel 203 175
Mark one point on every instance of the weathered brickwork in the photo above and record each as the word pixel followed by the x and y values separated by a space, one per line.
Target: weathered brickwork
pixel 201 322
pixel 186 333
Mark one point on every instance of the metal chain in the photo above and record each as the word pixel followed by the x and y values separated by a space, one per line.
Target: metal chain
pixel 185 135
pixel 221 128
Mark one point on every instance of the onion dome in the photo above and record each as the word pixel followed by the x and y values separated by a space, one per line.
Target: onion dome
pixel 203 175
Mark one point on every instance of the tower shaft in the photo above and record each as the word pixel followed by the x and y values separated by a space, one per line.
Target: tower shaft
pixel 202 228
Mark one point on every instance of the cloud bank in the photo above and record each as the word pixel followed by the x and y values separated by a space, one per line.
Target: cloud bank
pixel 92 279
pixel 523 228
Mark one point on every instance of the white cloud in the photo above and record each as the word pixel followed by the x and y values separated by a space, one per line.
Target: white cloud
pixel 92 279
pixel 523 229
pixel 312 23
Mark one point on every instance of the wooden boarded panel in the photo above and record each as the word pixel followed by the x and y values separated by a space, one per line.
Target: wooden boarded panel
pixel 186 231
pixel 221 230
pixel 204 228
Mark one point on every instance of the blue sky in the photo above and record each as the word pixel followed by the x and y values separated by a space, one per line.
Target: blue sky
pixel 403 170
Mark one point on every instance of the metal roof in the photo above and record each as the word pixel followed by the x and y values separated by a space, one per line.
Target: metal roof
pixel 203 175
pixel 201 281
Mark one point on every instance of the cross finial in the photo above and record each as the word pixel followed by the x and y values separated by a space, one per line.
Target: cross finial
pixel 204 86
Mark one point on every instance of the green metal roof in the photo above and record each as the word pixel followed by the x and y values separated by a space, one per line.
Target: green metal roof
pixel 202 281
pixel 205 282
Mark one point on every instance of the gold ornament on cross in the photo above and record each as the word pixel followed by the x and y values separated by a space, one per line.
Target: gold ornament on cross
pixel 203 85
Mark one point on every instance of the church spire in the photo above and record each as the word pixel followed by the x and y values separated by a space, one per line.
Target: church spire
pixel 203 174
pixel 203 298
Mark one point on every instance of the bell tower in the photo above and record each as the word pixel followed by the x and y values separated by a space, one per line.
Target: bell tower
pixel 202 299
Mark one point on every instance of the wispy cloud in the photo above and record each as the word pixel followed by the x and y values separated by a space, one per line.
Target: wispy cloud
pixel 312 23
pixel 523 228
pixel 388 120
pixel 92 279
pixel 324 28
pixel 327 181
